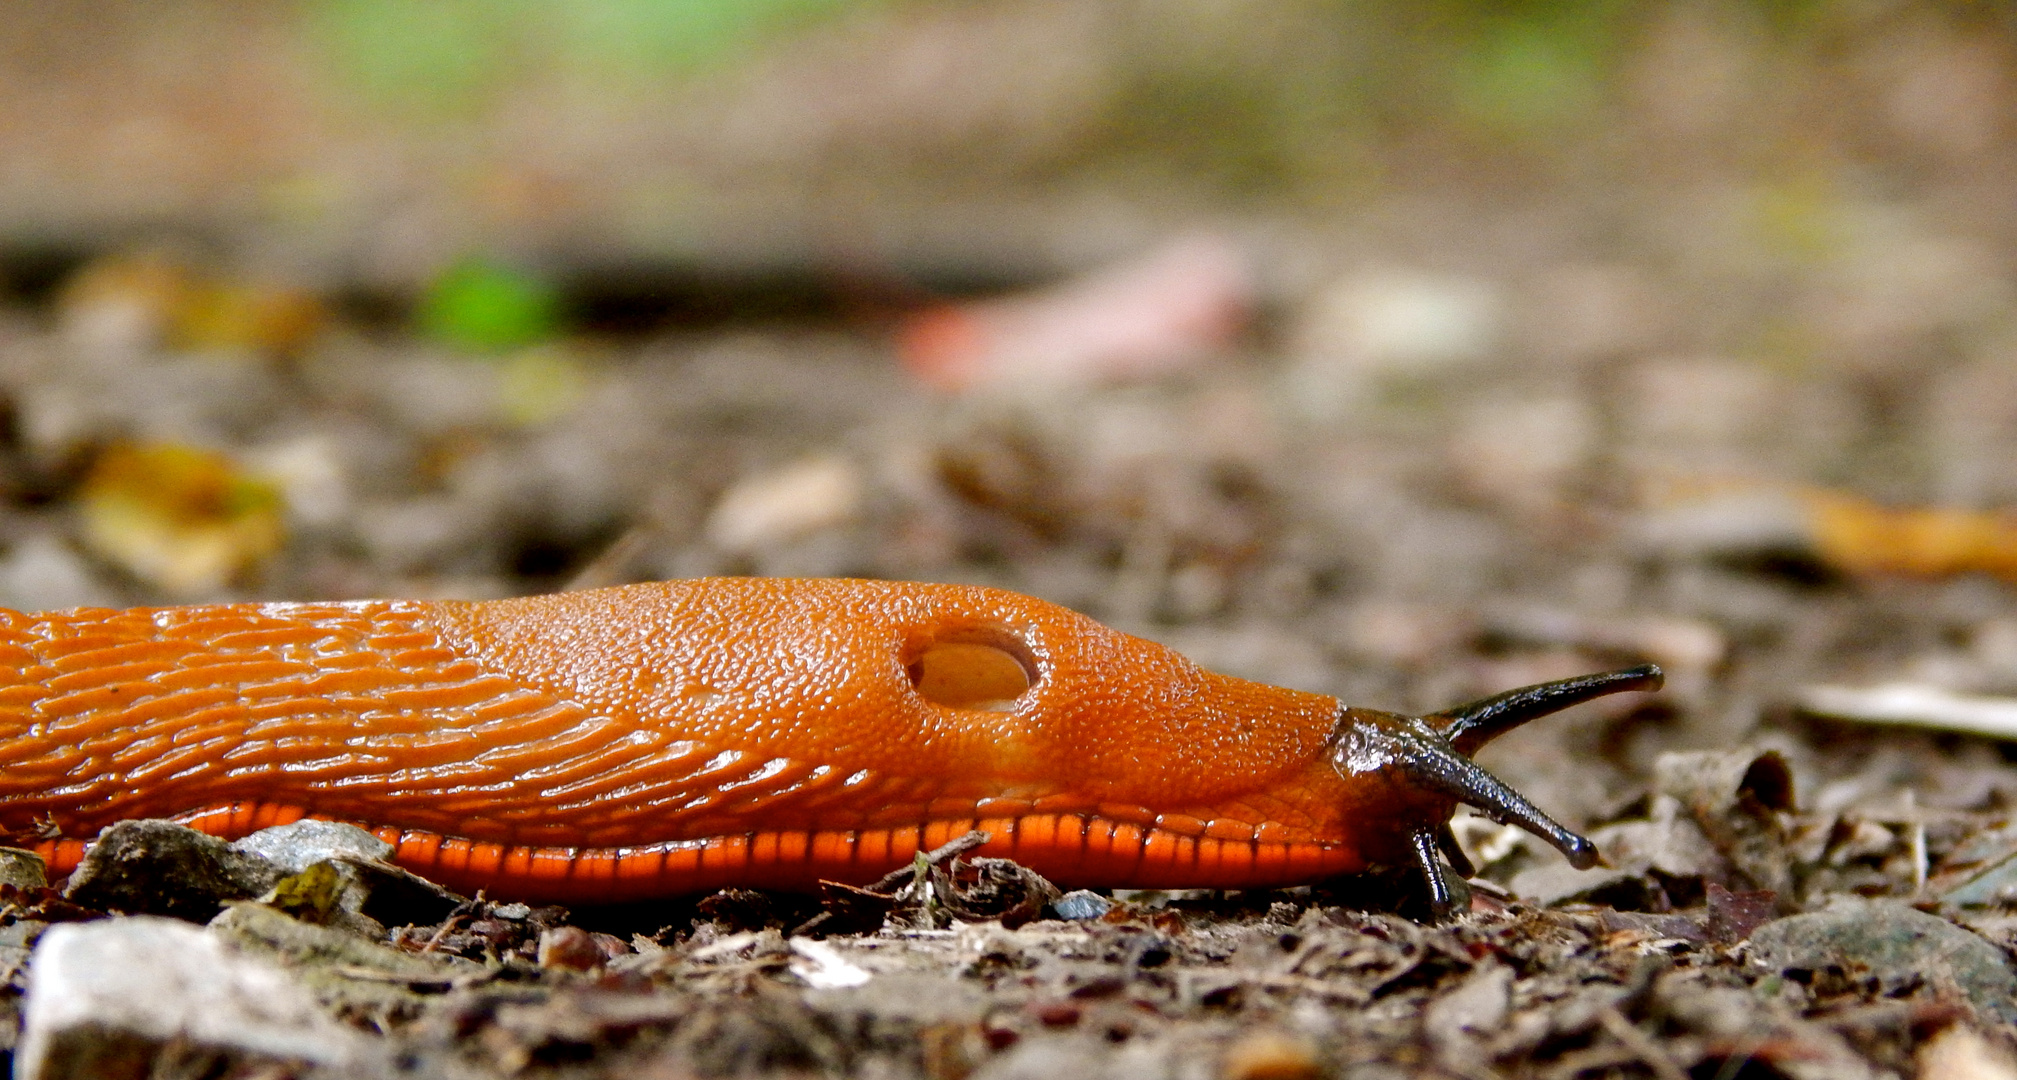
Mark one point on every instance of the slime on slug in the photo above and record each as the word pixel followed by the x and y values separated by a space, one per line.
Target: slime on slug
pixel 674 737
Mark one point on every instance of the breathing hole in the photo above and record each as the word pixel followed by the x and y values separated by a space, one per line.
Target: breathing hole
pixel 964 674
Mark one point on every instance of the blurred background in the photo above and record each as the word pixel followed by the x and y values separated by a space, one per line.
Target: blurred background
pixel 1400 350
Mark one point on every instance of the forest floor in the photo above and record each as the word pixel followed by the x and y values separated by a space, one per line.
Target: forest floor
pixel 1734 394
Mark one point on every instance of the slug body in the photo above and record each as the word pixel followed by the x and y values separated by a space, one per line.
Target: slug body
pixel 665 738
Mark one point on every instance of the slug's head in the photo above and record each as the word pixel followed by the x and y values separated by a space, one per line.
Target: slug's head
pixel 1424 765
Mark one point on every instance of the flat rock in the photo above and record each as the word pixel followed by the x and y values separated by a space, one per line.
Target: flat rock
pixel 366 884
pixel 257 928
pixel 296 846
pixel 343 971
pixel 111 1000
pixel 161 868
pixel 22 869
pixel 1559 883
pixel 1897 946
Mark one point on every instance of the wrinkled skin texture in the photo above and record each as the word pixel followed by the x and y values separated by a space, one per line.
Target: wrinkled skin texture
pixel 670 737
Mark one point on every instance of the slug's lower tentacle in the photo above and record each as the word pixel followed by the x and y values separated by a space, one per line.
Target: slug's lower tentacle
pixel 1426 842
pixel 1463 780
pixel 1453 851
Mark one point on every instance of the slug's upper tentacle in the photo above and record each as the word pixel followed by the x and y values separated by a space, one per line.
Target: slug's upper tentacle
pixel 1470 726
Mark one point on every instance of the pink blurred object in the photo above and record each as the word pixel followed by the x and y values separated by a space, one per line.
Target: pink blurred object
pixel 1168 309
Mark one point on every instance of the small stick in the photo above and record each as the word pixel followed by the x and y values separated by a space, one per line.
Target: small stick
pixel 898 878
pixel 887 885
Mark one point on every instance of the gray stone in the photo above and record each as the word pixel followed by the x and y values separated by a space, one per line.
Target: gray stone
pixel 345 972
pixel 22 869
pixel 1894 945
pixel 1557 882
pixel 302 947
pixel 110 1000
pixel 342 872
pixel 161 868
pixel 1081 904
pixel 296 847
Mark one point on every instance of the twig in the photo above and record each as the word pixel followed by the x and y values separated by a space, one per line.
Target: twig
pixel 462 910
pixel 896 879
pixel 887 885
pixel 1915 705
pixel 609 567
pixel 1919 859
pixel 368 974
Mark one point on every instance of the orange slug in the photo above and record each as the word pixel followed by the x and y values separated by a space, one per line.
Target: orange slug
pixel 667 738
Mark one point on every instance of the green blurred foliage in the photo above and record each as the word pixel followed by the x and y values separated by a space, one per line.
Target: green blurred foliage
pixel 1526 68
pixel 1258 95
pixel 1273 93
pixel 1799 219
pixel 1231 96
pixel 486 306
pixel 437 55
pixel 649 37
pixel 447 56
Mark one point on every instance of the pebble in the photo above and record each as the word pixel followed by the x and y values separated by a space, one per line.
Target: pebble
pixel 569 947
pixel 1469 1013
pixel 795 501
pixel 161 868
pixel 1385 325
pixel 106 999
pixel 1961 1053
pixel 297 846
pixel 1405 320
pixel 1081 904
pixel 22 869
pixel 1897 946
pixel 1271 1055
pixel 823 967
pixel 1723 522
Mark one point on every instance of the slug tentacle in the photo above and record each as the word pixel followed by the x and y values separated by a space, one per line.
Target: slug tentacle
pixel 1446 840
pixel 1426 841
pixel 1470 726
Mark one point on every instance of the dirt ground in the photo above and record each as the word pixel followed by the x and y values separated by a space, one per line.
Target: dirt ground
pixel 1481 415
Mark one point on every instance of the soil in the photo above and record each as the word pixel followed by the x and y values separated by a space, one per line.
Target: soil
pixel 1517 409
